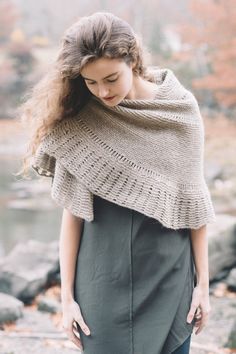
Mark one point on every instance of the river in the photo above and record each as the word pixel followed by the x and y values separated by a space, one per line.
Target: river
pixel 26 208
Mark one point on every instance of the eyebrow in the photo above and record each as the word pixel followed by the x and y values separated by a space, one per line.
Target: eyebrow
pixel 86 78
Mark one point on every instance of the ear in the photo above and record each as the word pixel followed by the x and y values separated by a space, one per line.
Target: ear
pixel 132 66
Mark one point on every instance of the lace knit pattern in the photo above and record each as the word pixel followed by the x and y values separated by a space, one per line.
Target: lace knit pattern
pixel 146 155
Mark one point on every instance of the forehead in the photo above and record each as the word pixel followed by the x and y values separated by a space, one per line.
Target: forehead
pixel 102 67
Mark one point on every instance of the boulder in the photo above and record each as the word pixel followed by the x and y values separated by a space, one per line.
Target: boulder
pixel 28 268
pixel 222 244
pixel 231 280
pixel 232 337
pixel 10 308
pixel 46 304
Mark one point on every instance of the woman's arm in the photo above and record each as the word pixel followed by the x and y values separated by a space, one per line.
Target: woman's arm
pixel 200 298
pixel 70 235
pixel 200 252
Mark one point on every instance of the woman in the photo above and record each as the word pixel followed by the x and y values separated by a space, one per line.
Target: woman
pixel 123 144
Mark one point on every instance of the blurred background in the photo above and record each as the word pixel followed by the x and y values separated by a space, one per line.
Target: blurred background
pixel 197 40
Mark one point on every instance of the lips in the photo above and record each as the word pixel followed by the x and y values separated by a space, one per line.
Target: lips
pixel 109 98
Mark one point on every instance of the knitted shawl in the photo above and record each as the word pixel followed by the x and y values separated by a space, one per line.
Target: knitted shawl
pixel 146 155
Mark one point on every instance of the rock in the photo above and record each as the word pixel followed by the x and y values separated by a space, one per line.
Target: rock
pixel 46 304
pixel 35 321
pixel 57 278
pixel 220 276
pixel 222 244
pixel 232 338
pixel 10 308
pixel 231 280
pixel 28 268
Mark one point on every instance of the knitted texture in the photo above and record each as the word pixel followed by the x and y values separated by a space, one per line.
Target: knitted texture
pixel 147 155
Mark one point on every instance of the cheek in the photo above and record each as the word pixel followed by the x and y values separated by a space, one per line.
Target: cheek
pixel 126 84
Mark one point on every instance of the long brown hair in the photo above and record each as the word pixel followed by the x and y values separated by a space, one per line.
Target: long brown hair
pixel 62 92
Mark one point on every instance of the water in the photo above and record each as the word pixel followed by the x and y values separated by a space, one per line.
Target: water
pixel 26 208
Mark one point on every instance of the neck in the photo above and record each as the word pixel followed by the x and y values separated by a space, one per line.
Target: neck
pixel 141 89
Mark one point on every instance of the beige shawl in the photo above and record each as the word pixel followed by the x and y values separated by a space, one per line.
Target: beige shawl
pixel 147 155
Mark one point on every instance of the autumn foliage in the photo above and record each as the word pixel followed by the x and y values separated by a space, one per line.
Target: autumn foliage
pixel 211 35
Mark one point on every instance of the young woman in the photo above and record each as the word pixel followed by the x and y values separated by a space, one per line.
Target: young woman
pixel 123 144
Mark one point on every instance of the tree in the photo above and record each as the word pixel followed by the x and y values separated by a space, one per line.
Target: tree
pixel 8 17
pixel 210 35
pixel 15 57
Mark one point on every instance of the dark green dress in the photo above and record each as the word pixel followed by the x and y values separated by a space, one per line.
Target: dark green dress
pixel 134 281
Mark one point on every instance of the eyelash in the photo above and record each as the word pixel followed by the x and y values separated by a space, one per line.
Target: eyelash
pixel 92 83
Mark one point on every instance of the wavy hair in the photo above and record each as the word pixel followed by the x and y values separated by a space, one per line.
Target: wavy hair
pixel 62 92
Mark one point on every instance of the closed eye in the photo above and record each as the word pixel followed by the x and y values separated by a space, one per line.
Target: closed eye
pixel 92 83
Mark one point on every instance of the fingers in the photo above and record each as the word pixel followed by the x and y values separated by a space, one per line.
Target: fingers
pixel 72 337
pixel 82 325
pixel 200 317
pixel 199 309
pixel 192 311
pixel 80 321
pixel 201 320
pixel 72 324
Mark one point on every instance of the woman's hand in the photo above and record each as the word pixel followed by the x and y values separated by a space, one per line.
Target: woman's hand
pixel 200 307
pixel 71 314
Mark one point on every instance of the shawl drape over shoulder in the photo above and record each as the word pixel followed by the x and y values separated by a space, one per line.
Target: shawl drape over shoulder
pixel 147 155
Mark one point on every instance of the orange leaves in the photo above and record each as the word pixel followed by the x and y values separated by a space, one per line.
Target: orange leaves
pixel 210 36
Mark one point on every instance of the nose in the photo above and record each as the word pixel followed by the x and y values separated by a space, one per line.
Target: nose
pixel 103 91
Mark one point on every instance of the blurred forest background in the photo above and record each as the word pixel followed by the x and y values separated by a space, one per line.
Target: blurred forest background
pixel 194 38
